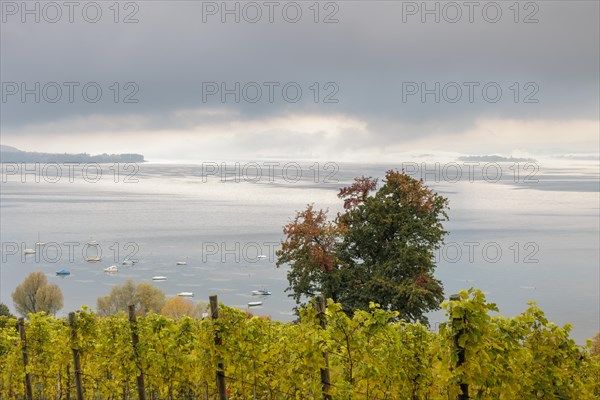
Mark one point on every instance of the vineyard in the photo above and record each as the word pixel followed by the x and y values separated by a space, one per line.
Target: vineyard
pixel 325 355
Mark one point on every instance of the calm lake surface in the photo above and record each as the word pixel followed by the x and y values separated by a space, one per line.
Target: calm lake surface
pixel 528 232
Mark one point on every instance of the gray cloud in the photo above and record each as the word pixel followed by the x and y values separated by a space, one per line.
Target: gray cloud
pixel 368 55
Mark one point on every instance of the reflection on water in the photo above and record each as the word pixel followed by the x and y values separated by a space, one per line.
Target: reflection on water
pixel 515 240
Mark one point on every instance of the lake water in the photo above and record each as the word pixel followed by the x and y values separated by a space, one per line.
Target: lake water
pixel 531 235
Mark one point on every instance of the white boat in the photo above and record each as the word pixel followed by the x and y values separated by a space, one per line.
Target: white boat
pixel 93 259
pixel 262 256
pixel 92 243
pixel 254 303
pixel 127 262
pixel 39 243
pixel 181 263
pixel 112 268
pixel 185 294
pixel 261 292
pixel 29 251
pixel 159 278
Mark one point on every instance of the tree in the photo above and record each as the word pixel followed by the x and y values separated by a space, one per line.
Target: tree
pixel 146 298
pixel 595 349
pixel 50 299
pixel 380 249
pixel 5 317
pixel 4 311
pixel 120 297
pixel 35 294
pixel 310 249
pixel 150 298
pixel 177 307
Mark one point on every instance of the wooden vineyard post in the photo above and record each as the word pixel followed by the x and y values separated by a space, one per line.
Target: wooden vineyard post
pixel 21 328
pixel 214 313
pixel 134 341
pixel 76 359
pixel 325 378
pixel 464 387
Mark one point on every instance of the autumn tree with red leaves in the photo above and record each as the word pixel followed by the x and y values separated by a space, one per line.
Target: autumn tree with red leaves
pixel 380 249
pixel 310 248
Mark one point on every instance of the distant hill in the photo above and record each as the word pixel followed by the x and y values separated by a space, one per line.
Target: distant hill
pixel 8 149
pixel 12 154
pixel 495 158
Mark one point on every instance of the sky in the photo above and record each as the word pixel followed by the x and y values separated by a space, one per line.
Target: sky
pixel 346 80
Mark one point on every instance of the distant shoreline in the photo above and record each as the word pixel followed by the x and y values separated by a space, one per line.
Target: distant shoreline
pixel 12 155
pixel 495 158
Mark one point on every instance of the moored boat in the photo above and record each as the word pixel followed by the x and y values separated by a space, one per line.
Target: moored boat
pixel 39 243
pixel 261 292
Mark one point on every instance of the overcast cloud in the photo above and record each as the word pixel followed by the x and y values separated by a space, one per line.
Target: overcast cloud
pixel 369 58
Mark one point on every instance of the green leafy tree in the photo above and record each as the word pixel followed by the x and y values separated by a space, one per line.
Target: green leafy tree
pixel 145 296
pixel 380 249
pixel 35 294
pixel 4 311
pixel 595 345
pixel 5 316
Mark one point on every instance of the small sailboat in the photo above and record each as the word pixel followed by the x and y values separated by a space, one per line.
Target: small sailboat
pixel 181 263
pixel 255 303
pixel 39 243
pixel 261 257
pixel 185 294
pixel 159 278
pixel 112 268
pixel 93 259
pixel 261 292
pixel 63 272
pixel 92 243
pixel 28 251
pixel 127 262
